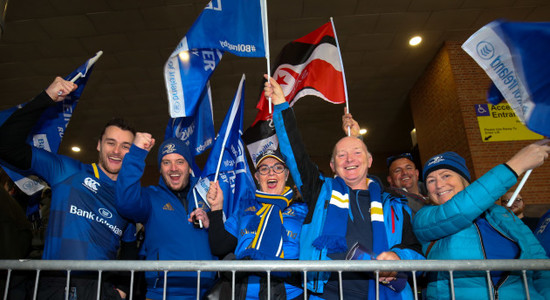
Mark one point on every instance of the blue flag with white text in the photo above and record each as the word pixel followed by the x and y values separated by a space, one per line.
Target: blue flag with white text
pixel 515 56
pixel 48 131
pixel 197 131
pixel 229 156
pixel 224 25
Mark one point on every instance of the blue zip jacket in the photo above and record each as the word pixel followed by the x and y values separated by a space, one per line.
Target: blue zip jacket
pixel 168 234
pixel 316 190
pixel 451 226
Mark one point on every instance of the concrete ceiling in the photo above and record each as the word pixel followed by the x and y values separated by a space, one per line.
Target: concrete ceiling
pixel 45 38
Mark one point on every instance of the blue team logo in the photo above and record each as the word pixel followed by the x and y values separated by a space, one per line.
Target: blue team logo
pixel 105 213
pixel 485 50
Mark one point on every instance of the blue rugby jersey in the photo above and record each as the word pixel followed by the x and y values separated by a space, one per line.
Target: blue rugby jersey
pixel 83 223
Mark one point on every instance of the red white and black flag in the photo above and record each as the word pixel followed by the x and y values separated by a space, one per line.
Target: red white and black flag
pixel 310 65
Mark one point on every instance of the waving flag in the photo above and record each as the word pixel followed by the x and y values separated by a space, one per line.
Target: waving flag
pixel 51 126
pixel 515 56
pixel 197 131
pixel 310 65
pixel 224 25
pixel 228 158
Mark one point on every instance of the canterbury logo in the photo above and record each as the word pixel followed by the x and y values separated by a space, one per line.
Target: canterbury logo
pixel 167 206
pixel 168 149
pixel 91 184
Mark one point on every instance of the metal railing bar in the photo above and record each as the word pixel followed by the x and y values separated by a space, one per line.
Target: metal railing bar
pixel 279 265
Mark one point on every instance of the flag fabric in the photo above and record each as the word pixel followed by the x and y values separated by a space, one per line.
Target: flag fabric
pixel 228 155
pixel 515 56
pixel 310 65
pixel 224 25
pixel 50 128
pixel 259 138
pixel 197 131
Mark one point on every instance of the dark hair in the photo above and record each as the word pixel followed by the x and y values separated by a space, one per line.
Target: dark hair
pixel 120 123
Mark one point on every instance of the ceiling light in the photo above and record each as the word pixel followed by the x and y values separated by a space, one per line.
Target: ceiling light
pixel 362 131
pixel 75 149
pixel 184 55
pixel 414 41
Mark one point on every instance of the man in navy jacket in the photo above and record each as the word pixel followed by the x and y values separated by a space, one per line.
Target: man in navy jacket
pixel 167 211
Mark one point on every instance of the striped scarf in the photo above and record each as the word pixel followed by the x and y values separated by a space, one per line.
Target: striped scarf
pixel 268 225
pixel 333 237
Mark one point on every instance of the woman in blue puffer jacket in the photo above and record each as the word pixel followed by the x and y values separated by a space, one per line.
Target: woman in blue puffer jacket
pixel 465 223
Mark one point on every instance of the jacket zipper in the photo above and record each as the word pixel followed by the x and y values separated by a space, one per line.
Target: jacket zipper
pixel 495 288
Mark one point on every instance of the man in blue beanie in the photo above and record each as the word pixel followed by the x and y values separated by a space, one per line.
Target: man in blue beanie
pixel 168 212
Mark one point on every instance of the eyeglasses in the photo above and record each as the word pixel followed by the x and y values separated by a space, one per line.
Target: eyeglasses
pixel 277 169
pixel 391 159
pixel 505 201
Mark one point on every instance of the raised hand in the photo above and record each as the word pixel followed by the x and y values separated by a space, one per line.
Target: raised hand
pixel 144 140
pixel 215 196
pixel 273 89
pixel 530 157
pixel 60 88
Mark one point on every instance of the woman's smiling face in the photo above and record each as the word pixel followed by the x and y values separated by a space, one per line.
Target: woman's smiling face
pixel 443 184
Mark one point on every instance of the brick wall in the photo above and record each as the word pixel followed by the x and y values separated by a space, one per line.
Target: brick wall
pixel 442 104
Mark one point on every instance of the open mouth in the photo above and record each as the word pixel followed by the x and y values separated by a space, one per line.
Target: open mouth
pixel 271 183
pixel 351 168
pixel 174 177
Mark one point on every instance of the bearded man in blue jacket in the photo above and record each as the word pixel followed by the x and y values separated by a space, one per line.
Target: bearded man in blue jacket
pixel 167 211
pixel 347 210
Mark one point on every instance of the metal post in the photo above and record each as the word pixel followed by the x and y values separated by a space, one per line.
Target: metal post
pixel 415 290
pixel 68 285
pixel 490 285
pixel 99 275
pixel 7 285
pixel 305 285
pixel 524 275
pixel 198 284
pixel 36 281
pixel 131 284
pixel 451 282
pixel 165 284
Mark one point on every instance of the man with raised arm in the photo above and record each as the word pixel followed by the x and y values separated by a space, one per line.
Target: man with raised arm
pixel 84 223
pixel 167 211
pixel 347 212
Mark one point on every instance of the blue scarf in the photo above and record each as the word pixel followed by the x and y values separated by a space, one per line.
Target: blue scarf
pixel 333 237
pixel 268 225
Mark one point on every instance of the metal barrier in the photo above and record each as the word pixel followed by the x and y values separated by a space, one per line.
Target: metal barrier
pixel 267 266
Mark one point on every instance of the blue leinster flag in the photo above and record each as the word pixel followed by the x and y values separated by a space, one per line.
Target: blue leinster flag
pixel 228 156
pixel 515 56
pixel 235 26
pixel 51 126
pixel 196 131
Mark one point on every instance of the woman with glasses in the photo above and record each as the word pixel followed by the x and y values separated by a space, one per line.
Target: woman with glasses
pixel 268 229
pixel 465 223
